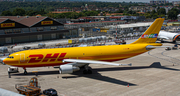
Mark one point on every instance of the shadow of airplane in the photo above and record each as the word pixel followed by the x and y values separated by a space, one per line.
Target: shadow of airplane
pixel 153 65
pixel 98 76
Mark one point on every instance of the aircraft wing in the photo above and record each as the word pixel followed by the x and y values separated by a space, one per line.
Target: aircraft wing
pixel 92 61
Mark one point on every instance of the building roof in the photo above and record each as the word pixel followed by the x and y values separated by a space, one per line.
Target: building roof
pixel 60 11
pixel 141 12
pixel 3 19
pixel 116 17
pixel 141 24
pixel 26 20
pixel 14 18
pixel 176 23
pixel 108 14
pixel 30 21
pixel 94 22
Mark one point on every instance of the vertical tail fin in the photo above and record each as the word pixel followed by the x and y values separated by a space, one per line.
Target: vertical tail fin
pixel 150 35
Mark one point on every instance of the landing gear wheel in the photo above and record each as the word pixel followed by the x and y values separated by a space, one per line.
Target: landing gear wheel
pixel 87 70
pixel 25 72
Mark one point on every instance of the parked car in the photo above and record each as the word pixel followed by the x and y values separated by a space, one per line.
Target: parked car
pixel 175 47
pixel 168 48
pixel 50 92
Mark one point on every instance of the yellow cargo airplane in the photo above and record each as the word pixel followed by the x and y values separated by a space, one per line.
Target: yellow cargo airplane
pixel 71 59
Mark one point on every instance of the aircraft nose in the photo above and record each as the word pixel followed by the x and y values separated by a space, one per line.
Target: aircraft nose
pixel 4 61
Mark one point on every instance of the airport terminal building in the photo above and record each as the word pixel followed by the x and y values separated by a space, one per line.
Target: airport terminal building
pixel 19 29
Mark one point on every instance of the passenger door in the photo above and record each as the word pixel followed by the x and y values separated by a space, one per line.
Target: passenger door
pixel 22 57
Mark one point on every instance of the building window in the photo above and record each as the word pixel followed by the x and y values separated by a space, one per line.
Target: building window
pixel 54 28
pixel 33 29
pixel 1 31
pixel 74 32
pixel 66 33
pixel 17 30
pixel 40 28
pixel 24 30
pixel 47 28
pixel 8 31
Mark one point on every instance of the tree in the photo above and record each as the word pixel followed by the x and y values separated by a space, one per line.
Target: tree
pixel 161 11
pixel 119 11
pixel 147 15
pixel 81 14
pixel 154 16
pixel 91 13
pixel 172 14
pixel 131 12
pixel 42 12
pixel 31 13
pixel 19 11
pixel 61 15
pixel 74 15
pixel 51 15
pixel 6 13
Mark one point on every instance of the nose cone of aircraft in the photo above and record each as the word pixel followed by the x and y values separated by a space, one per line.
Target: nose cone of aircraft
pixel 8 61
pixel 4 61
pixel 1 60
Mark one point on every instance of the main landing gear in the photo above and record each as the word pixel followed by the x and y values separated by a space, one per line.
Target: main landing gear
pixel 87 70
pixel 25 72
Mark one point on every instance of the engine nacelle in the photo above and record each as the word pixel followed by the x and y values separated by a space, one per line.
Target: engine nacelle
pixel 66 69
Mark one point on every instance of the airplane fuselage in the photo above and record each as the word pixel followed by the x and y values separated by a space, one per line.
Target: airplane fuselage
pixel 54 57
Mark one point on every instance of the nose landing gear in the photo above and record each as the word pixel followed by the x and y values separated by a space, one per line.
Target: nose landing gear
pixel 25 72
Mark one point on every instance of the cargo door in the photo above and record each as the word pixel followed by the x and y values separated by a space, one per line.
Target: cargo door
pixel 22 57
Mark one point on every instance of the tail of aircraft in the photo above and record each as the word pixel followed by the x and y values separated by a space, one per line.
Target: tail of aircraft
pixel 151 34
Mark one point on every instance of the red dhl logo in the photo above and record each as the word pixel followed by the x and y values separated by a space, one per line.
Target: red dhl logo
pixel 49 57
pixel 46 22
pixel 8 25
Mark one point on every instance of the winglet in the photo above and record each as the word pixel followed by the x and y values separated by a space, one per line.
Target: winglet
pixel 151 34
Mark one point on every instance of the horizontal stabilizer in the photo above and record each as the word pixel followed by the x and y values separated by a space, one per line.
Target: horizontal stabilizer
pixel 152 47
pixel 92 61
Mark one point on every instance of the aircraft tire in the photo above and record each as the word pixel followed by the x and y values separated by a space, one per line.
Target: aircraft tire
pixel 25 72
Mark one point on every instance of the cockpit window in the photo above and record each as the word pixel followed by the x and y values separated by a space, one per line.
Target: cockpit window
pixel 10 57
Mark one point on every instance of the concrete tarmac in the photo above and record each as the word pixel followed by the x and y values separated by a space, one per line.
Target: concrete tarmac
pixel 154 73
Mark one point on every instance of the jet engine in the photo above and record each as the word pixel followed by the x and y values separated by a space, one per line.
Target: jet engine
pixel 66 69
